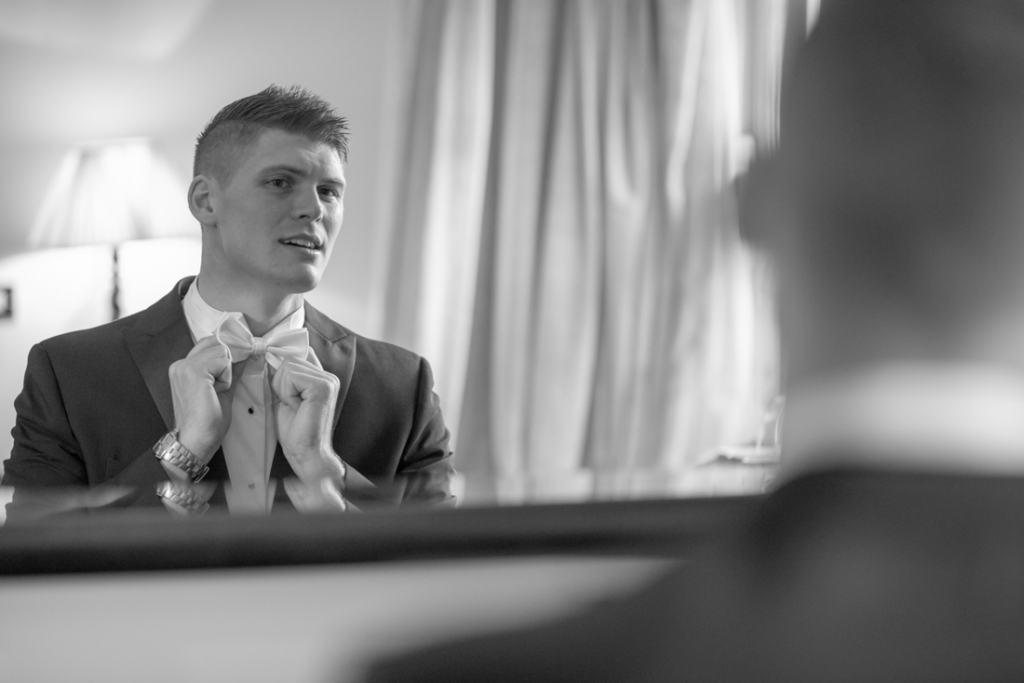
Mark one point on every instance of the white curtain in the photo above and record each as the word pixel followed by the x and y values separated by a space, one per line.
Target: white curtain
pixel 563 238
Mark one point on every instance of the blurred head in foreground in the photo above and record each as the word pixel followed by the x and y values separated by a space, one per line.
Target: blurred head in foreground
pixel 899 187
pixel 895 212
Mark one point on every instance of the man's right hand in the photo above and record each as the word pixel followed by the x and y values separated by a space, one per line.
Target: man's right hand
pixel 201 384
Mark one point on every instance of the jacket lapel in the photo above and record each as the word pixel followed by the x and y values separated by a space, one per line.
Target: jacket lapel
pixel 159 337
pixel 336 348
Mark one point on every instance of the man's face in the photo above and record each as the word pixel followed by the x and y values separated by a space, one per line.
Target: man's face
pixel 278 215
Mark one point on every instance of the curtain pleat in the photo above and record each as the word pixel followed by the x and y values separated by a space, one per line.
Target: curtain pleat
pixel 457 185
pixel 435 239
pixel 577 275
pixel 630 175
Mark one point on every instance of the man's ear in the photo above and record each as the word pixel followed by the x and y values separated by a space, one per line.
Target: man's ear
pixel 201 201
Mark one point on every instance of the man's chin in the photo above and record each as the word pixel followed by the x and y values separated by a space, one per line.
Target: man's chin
pixel 300 283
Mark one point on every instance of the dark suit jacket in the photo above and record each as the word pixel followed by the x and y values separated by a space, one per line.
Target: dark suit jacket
pixel 840 576
pixel 95 401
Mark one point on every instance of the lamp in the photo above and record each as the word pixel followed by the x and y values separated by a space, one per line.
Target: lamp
pixel 108 192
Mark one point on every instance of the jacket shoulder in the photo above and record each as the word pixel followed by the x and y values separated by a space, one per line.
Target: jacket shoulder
pixel 385 352
pixel 368 351
pixel 110 335
pixel 94 337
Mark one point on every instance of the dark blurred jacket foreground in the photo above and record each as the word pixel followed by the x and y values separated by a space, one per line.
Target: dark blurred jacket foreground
pixel 844 576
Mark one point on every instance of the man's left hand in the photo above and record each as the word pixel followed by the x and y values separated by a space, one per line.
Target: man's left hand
pixel 305 396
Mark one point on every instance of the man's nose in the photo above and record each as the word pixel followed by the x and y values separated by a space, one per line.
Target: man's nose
pixel 309 206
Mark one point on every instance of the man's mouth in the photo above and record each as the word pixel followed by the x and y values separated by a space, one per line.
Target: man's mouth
pixel 311 243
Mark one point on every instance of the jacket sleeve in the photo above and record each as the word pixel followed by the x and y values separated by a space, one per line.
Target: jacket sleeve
pixel 47 467
pixel 403 439
pixel 45 452
pixel 426 466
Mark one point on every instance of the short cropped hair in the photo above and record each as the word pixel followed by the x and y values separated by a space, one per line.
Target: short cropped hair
pixel 239 124
pixel 904 150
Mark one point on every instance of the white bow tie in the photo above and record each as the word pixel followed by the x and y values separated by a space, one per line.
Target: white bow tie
pixel 234 334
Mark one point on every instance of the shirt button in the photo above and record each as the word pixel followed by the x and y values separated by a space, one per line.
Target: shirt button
pixel 250 410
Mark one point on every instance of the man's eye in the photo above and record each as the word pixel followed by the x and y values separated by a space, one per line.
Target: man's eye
pixel 278 182
pixel 330 192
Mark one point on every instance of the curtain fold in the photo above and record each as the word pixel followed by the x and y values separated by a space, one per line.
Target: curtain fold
pixel 439 193
pixel 566 249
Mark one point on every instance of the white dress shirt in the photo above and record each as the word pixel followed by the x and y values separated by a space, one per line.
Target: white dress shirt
pixel 942 417
pixel 251 439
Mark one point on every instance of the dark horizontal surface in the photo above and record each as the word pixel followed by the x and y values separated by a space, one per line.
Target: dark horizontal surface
pixel 130 542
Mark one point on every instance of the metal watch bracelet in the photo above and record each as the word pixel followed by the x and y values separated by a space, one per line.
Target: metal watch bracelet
pixel 170 450
pixel 182 497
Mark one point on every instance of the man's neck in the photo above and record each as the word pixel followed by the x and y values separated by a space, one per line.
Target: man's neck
pixel 262 311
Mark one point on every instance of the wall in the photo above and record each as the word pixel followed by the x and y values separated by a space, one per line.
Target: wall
pixel 98 69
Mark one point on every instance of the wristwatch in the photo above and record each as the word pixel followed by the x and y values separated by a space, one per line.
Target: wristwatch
pixel 170 450
pixel 184 498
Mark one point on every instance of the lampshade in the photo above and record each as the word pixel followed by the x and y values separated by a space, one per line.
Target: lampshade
pixel 109 192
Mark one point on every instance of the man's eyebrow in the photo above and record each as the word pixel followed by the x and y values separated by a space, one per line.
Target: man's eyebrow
pixel 278 168
pixel 302 173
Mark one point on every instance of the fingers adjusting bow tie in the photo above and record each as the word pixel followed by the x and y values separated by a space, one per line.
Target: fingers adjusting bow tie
pixel 233 333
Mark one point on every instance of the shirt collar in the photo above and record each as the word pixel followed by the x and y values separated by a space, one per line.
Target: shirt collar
pixel 957 418
pixel 203 318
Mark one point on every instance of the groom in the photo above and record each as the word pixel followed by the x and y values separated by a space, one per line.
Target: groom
pixel 232 377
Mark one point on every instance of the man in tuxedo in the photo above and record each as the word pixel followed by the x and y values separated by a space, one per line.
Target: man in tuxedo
pixel 893 547
pixel 232 377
